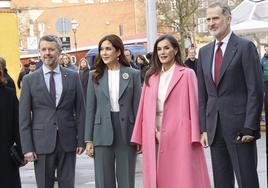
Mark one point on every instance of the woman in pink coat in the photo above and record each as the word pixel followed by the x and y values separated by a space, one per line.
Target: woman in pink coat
pixel 167 124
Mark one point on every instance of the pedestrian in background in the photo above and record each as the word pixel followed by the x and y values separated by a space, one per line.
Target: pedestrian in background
pixel 9 134
pixel 84 74
pixel 129 57
pixel 264 63
pixel 51 117
pixel 10 81
pixel 230 101
pixel 191 62
pixel 112 102
pixel 66 61
pixel 25 71
pixel 143 65
pixel 167 123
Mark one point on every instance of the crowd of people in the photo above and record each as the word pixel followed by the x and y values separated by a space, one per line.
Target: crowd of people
pixel 164 108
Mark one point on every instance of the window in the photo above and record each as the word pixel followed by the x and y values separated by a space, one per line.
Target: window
pixel 202 25
pixel 231 2
pixel 173 5
pixel 104 1
pixel 175 26
pixel 203 3
pixel 73 1
pixel 57 1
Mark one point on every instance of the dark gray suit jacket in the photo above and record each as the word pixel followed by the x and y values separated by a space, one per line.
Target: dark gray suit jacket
pixel 238 97
pixel 40 119
pixel 99 127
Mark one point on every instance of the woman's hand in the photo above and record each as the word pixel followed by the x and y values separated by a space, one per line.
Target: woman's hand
pixel 139 149
pixel 90 149
pixel 157 135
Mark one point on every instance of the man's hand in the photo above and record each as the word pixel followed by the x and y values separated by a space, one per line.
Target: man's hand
pixel 79 150
pixel 30 157
pixel 204 139
pixel 90 149
pixel 246 138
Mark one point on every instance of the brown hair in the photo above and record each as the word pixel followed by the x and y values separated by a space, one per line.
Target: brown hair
pixel 3 80
pixel 155 64
pixel 142 58
pixel 83 59
pixel 100 65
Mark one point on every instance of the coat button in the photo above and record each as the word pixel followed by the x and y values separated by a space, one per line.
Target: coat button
pixel 54 123
pixel 121 105
pixel 122 119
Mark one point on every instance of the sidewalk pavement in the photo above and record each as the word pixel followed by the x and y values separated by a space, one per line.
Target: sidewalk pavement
pixel 85 170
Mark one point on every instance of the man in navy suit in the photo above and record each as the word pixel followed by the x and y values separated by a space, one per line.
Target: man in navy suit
pixel 230 101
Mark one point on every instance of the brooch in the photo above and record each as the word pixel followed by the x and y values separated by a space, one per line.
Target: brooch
pixel 125 76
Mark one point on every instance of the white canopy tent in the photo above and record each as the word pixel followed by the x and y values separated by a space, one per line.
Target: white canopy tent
pixel 250 19
pixel 250 15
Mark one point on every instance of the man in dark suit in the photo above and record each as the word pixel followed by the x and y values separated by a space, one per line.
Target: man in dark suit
pixel 51 118
pixel 230 101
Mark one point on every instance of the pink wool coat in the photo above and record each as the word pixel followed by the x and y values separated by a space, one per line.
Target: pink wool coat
pixel 181 162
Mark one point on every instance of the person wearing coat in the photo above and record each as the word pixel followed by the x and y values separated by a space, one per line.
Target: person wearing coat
pixel 84 74
pixel 9 134
pixel 167 124
pixel 113 96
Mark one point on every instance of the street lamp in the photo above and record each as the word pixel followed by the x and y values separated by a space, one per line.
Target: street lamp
pixel 75 25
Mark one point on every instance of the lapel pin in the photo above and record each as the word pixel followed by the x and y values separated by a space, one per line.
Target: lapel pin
pixel 125 76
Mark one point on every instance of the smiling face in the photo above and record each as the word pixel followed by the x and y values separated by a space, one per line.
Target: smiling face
pixel 108 53
pixel 49 53
pixel 166 53
pixel 218 23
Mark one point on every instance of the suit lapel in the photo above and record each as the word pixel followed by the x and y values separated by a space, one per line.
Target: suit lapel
pixel 123 80
pixel 177 74
pixel 64 77
pixel 230 51
pixel 209 61
pixel 103 83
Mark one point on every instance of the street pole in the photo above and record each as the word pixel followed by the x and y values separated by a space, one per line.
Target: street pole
pixel 75 43
pixel 151 23
pixel 75 25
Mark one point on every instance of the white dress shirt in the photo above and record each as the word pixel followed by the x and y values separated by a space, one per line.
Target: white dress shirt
pixel 113 81
pixel 57 78
pixel 224 41
pixel 165 78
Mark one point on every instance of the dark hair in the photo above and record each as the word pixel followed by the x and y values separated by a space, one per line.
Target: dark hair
pixel 3 63
pixel 142 58
pixel 52 38
pixel 100 65
pixel 126 49
pixel 32 63
pixel 3 80
pixel 225 8
pixel 155 64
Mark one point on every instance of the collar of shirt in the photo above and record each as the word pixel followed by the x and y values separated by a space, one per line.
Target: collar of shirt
pixel 225 41
pixel 47 71
pixel 169 70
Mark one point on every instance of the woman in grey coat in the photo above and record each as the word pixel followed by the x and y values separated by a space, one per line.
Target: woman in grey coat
pixel 112 101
